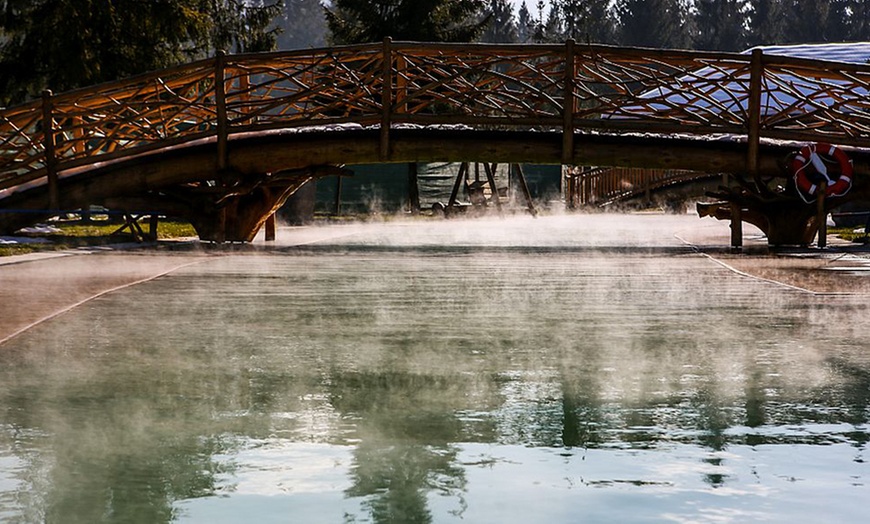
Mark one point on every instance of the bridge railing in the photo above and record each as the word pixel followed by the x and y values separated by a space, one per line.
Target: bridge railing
pixel 565 88
pixel 602 186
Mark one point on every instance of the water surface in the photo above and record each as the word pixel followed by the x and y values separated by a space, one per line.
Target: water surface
pixel 493 371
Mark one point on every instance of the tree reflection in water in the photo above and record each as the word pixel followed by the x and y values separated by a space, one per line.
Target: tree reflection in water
pixel 406 426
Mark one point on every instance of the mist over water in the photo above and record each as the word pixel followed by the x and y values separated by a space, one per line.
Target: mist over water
pixel 562 369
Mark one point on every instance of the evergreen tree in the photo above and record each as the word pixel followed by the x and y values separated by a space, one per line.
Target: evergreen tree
pixel 767 22
pixel 853 19
pixel 652 23
pixel 811 21
pixel 358 21
pixel 587 20
pixel 64 44
pixel 502 27
pixel 553 28
pixel 719 25
pixel 302 25
pixel 244 26
pixel 526 24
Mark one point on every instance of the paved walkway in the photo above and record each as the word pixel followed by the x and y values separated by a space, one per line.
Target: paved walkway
pixel 37 287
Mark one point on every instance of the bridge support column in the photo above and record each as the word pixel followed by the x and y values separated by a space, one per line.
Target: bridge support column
pixel 238 218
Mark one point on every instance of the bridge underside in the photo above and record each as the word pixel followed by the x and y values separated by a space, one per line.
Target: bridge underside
pixel 265 169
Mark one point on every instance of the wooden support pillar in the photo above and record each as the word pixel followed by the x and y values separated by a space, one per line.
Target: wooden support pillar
pixel 153 221
pixel 736 228
pixel 270 228
pixel 413 189
pixel 822 217
pixel 336 210
pixel 49 148
pixel 490 178
pixel 524 187
pixel 460 177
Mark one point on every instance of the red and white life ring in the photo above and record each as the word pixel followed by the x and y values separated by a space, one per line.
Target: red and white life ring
pixel 810 170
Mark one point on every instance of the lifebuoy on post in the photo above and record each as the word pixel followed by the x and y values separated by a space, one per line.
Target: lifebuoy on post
pixel 810 169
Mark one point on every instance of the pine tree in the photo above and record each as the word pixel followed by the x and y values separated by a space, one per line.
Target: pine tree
pixel 244 26
pixel 719 25
pixel 587 20
pixel 553 29
pixel 526 24
pixel 64 44
pixel 811 21
pixel 652 23
pixel 358 21
pixel 853 19
pixel 302 25
pixel 767 22
pixel 502 27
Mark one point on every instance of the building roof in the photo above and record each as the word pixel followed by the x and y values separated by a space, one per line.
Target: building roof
pixel 850 52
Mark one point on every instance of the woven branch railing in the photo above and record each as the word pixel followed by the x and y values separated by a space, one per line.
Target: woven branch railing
pixel 560 88
pixel 603 186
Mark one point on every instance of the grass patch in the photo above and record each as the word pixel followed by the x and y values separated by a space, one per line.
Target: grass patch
pixel 848 233
pixel 68 235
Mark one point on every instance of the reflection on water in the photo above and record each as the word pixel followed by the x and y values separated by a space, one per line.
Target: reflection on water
pixel 403 384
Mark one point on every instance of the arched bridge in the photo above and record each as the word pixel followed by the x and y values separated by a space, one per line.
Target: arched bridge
pixel 224 141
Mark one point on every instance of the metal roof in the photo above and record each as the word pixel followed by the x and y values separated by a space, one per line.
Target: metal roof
pixel 850 52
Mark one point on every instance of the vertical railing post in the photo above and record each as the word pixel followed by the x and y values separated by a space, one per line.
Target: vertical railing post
pixel 220 100
pixel 736 227
pixel 48 133
pixel 386 98
pixel 568 105
pixel 245 94
pixel 822 217
pixel 753 133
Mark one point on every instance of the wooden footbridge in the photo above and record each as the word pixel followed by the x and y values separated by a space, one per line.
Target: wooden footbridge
pixel 224 141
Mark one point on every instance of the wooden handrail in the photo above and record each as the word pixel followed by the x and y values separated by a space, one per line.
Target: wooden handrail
pixel 564 88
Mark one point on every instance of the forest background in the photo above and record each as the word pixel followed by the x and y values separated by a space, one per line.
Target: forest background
pixel 64 44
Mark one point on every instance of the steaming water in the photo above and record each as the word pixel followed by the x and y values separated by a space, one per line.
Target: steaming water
pixel 493 371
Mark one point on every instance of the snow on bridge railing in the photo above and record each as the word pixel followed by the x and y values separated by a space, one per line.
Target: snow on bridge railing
pixel 484 86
